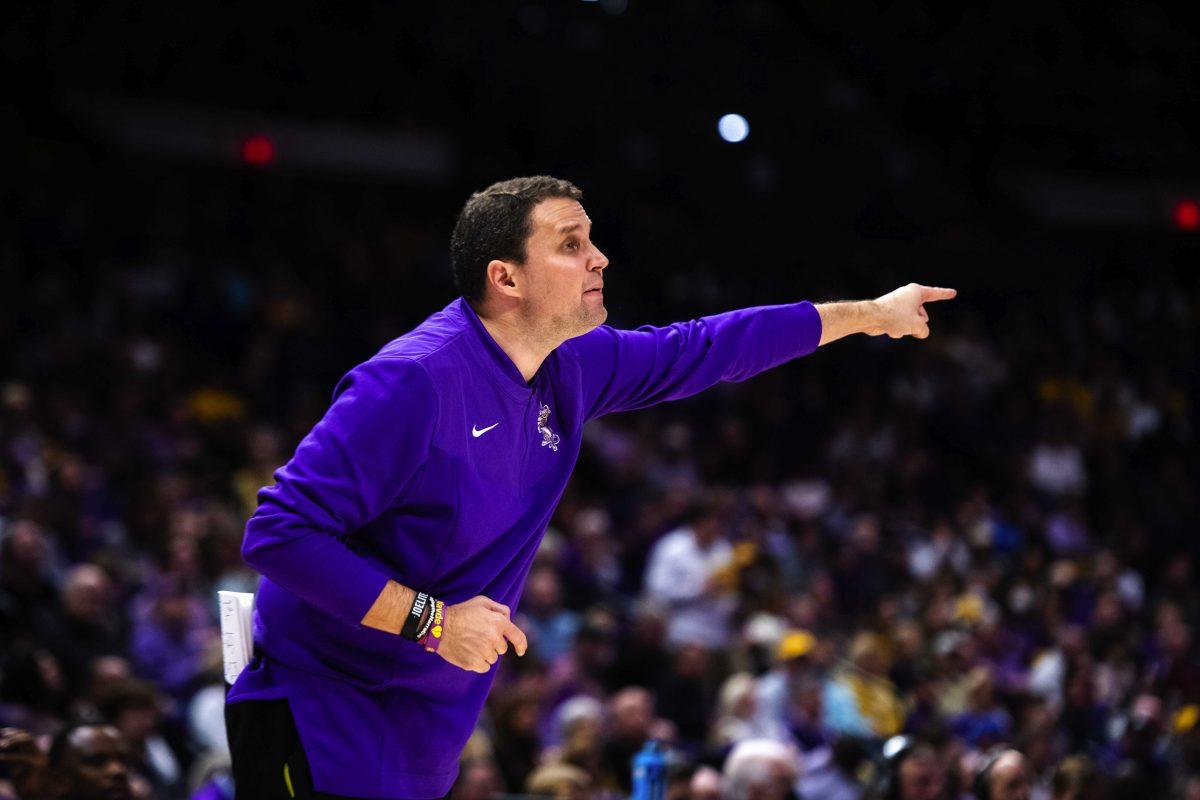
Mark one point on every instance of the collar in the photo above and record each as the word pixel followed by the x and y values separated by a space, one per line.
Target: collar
pixel 491 356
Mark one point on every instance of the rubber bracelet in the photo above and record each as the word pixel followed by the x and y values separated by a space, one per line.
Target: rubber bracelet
pixel 428 623
pixel 421 605
pixel 431 640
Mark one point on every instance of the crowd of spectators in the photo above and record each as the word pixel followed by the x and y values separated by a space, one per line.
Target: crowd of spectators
pixel 981 541
pixel 935 570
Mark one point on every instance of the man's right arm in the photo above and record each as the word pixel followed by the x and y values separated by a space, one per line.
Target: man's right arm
pixel 360 458
pixel 481 627
pixel 365 454
pixel 391 608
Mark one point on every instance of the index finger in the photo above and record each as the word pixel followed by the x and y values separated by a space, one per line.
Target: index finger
pixel 515 635
pixel 930 294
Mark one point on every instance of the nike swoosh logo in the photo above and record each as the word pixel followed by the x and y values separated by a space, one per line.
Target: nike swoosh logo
pixel 477 433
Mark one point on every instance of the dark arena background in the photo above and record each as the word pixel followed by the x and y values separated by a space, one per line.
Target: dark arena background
pixel 211 211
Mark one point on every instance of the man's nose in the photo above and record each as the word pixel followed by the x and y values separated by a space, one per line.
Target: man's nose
pixel 601 260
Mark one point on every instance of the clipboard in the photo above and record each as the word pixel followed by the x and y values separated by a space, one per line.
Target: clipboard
pixel 237 631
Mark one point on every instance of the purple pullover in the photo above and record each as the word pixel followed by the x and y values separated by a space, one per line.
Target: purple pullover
pixel 438 466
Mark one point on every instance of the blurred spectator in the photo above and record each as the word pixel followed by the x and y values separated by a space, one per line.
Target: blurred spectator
pixel 23 768
pixel 984 722
pixel 705 784
pixel 583 747
pixel 105 674
pixel 87 626
pixel 789 694
pixel 874 707
pixel 558 781
pixel 33 695
pixel 683 695
pixel 586 668
pixel 680 772
pixel 1004 776
pixel 27 593
pixel 642 657
pixel 91 762
pixel 516 741
pixel 832 773
pixel 264 456
pixel 909 770
pixel 591 566
pixel 921 777
pixel 738 718
pixel 685 573
pixel 135 709
pixel 759 769
pixel 170 643
pixel 1189 788
pixel 478 780
pixel 1077 778
pixel 550 627
pixel 630 719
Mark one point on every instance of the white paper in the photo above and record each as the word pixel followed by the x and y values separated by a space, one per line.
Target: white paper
pixel 237 634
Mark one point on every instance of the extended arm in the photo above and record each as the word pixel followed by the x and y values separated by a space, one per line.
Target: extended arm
pixel 623 370
pixel 899 313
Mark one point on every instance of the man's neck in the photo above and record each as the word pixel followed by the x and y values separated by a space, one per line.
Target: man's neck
pixel 517 339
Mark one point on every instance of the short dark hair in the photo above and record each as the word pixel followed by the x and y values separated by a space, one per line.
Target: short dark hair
pixel 495 223
pixel 60 745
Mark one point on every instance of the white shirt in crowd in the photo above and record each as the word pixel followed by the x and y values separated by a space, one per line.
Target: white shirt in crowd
pixel 676 574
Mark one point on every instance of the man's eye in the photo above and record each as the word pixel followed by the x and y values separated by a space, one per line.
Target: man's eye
pixel 572 245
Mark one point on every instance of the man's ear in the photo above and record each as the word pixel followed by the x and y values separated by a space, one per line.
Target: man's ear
pixel 503 278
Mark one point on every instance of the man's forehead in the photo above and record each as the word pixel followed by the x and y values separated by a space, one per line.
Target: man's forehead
pixel 558 213
pixel 93 740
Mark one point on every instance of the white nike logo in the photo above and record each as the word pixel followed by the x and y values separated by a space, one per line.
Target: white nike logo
pixel 477 433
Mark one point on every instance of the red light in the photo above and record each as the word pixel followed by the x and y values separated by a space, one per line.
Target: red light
pixel 1186 215
pixel 258 150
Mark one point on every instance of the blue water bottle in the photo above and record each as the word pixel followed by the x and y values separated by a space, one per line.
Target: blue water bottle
pixel 650 772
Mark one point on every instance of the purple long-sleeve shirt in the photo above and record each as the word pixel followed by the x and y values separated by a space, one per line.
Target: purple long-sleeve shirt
pixel 438 466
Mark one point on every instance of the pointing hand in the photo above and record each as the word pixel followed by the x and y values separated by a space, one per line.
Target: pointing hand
pixel 902 312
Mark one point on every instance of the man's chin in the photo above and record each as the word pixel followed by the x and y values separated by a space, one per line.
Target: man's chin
pixel 594 318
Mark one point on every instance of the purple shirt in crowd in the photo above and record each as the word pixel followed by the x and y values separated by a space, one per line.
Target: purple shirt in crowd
pixel 438 466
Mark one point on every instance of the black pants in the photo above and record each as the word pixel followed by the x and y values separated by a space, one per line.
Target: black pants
pixel 268 761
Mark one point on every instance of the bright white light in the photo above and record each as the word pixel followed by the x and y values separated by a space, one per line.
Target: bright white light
pixel 733 127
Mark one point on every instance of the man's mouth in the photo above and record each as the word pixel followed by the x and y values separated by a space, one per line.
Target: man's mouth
pixel 596 289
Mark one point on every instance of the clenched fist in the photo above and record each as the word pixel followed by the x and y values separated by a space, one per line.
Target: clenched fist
pixel 902 312
pixel 477 633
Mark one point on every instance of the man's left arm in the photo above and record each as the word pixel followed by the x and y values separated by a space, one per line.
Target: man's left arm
pixel 625 370
pixel 898 314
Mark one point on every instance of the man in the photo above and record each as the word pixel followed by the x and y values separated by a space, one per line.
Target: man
pixel 1004 776
pixel 921 775
pixel 910 770
pixel 413 509
pixel 760 769
pixel 91 762
pixel 1077 778
pixel 630 724
pixel 681 574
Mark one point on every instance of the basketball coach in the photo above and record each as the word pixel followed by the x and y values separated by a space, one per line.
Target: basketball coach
pixel 396 541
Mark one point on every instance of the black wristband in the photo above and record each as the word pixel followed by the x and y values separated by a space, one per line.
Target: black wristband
pixel 433 603
pixel 422 606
